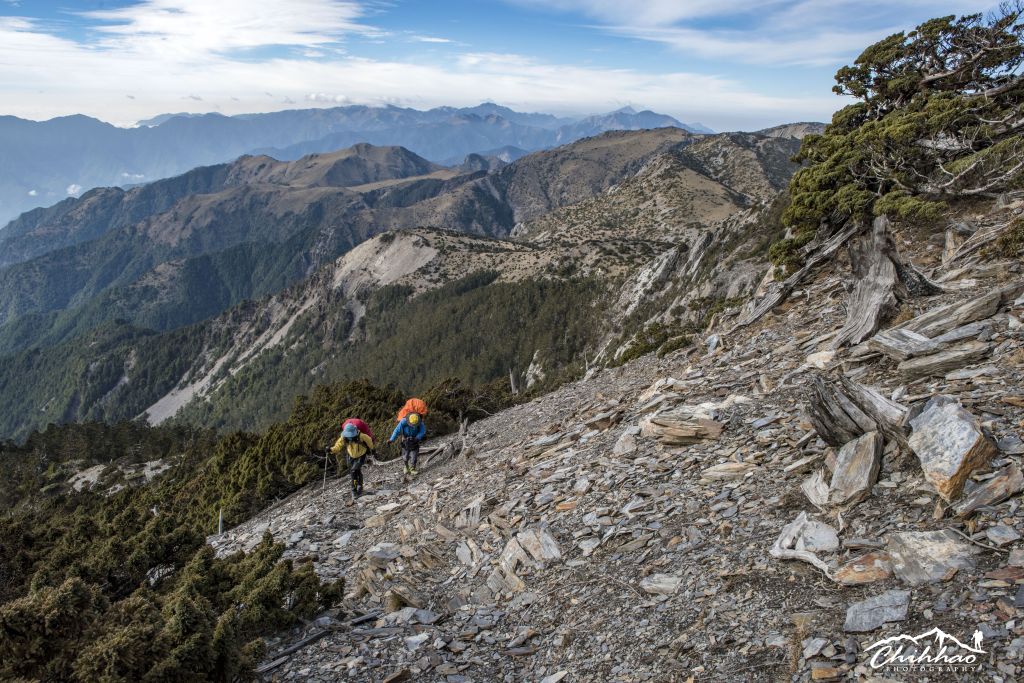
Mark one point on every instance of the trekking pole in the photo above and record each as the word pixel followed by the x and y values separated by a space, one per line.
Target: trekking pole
pixel 323 491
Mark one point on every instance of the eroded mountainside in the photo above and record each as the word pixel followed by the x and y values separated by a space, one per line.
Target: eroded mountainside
pixel 631 204
pixel 220 235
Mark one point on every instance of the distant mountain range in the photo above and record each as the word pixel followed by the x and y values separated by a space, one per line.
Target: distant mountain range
pixel 44 162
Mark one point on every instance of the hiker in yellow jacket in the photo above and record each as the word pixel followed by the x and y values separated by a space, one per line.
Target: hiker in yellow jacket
pixel 356 445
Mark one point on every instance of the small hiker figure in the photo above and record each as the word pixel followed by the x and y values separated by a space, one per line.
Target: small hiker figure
pixel 412 429
pixel 356 444
pixel 977 640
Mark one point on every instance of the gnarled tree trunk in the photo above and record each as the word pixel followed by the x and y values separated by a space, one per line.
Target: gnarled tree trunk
pixel 882 282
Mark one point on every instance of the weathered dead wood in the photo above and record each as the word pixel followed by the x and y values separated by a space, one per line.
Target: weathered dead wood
pixel 818 252
pixel 943 319
pixel 901 344
pixel 785 546
pixel 951 316
pixel 953 242
pixel 882 280
pixel 834 416
pixel 973 243
pixel 889 415
pixel 874 296
pixel 284 654
pixel 841 413
pixel 944 361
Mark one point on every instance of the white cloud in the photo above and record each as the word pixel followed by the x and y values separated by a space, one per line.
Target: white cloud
pixel 430 39
pixel 810 32
pixel 32 193
pixel 74 189
pixel 43 74
pixel 194 28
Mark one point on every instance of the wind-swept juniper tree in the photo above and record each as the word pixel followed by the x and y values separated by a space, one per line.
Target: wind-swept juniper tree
pixel 939 117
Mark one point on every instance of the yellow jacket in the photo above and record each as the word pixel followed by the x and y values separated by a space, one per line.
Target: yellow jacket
pixel 355 449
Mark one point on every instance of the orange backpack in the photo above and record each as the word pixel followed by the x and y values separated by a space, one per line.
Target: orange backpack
pixel 413 405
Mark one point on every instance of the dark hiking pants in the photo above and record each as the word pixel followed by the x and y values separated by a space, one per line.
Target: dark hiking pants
pixel 355 468
pixel 410 451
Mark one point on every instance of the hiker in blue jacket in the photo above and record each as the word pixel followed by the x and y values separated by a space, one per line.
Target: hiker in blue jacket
pixel 412 429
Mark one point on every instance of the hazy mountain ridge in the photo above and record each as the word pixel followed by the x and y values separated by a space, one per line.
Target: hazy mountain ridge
pixel 265 224
pixel 49 160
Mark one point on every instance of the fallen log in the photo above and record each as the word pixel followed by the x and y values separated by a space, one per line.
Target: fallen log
pixel 944 361
pixel 818 252
pixel 951 316
pixel 284 654
pixel 901 344
pixel 943 319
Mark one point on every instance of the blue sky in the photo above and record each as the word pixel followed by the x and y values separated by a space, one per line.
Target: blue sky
pixel 728 64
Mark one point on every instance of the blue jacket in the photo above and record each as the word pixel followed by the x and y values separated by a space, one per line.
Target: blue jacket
pixel 405 429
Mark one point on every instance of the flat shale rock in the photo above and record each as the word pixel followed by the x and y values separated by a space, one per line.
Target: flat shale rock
pixel 950 445
pixel 856 470
pixel 874 566
pixel 540 544
pixel 1004 484
pixel 626 443
pixel 920 557
pixel 727 471
pixel 661 584
pixel 870 614
pixel 676 430
pixel 1002 534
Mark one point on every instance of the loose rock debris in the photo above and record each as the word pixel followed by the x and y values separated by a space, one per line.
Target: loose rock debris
pixel 741 515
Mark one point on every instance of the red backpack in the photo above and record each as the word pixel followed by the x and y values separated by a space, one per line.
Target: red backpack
pixel 360 425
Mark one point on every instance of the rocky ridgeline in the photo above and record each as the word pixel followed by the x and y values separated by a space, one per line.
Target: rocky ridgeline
pixel 762 508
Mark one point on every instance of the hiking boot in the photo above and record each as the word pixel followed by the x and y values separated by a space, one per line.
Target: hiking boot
pixel 408 470
pixel 412 471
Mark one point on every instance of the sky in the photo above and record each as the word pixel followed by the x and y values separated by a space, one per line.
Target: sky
pixel 728 64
